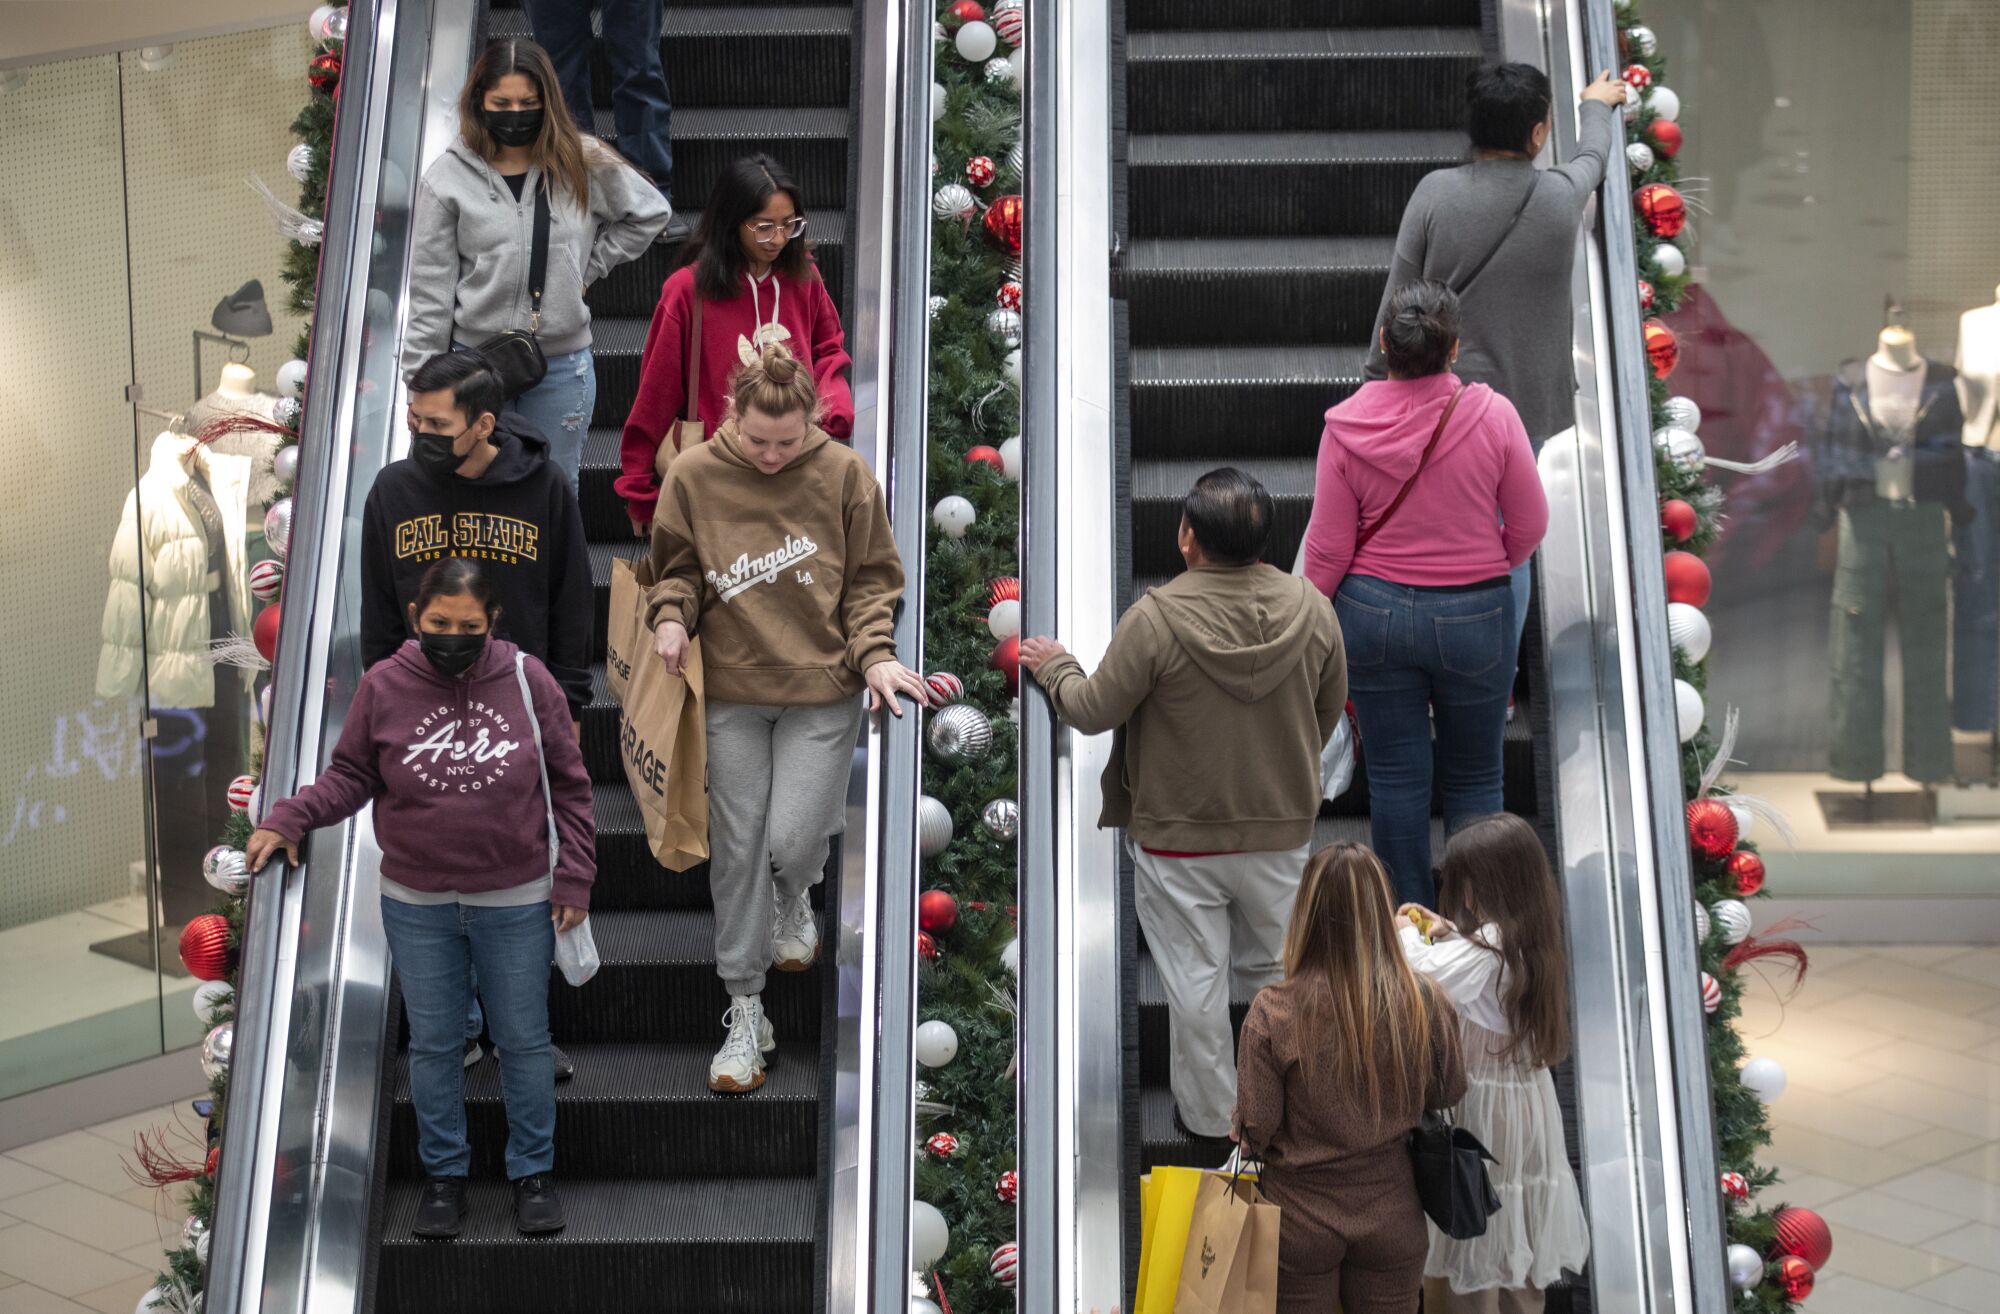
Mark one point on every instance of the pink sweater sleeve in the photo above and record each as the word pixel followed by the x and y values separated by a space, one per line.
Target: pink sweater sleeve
pixel 1336 513
pixel 1524 507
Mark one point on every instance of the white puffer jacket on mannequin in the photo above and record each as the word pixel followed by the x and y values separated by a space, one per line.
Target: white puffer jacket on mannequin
pixel 161 556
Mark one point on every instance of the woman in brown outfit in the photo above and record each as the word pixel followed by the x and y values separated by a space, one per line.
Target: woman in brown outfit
pixel 1335 1068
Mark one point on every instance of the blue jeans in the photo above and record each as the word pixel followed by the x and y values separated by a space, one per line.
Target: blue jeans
pixel 639 100
pixel 1519 581
pixel 1418 660
pixel 1975 597
pixel 561 406
pixel 435 946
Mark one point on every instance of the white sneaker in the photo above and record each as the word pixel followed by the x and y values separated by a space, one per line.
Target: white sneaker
pixel 794 934
pixel 739 1064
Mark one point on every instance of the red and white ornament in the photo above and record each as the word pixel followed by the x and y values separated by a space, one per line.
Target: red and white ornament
pixel 979 171
pixel 1010 21
pixel 240 790
pixel 1006 1258
pixel 1646 295
pixel 1637 76
pixel 1711 994
pixel 942 1145
pixel 1736 1187
pixel 267 579
pixel 1008 1188
pixel 1009 296
pixel 945 687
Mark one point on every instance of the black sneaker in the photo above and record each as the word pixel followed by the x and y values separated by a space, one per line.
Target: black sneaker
pixel 473 1053
pixel 537 1207
pixel 442 1212
pixel 564 1068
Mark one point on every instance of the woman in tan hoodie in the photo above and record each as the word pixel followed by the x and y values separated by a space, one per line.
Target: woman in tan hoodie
pixel 772 544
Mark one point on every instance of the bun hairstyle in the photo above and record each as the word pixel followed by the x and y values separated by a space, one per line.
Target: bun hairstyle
pixel 1420 329
pixel 776 383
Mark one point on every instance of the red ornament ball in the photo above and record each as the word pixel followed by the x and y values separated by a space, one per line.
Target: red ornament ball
pixel 1736 1186
pixel 979 171
pixel 1008 1188
pixel 962 12
pixel 1005 589
pixel 1003 223
pixel 937 912
pixel 205 947
pixel 1711 829
pixel 926 947
pixel 1795 1278
pixel 1678 519
pixel 1007 660
pixel 1662 208
pixel 1663 350
pixel 1638 77
pixel 1804 1234
pixel 1645 295
pixel 1746 871
pixel 264 633
pixel 1666 137
pixel 1009 296
pixel 984 455
pixel 213 1161
pixel 324 71
pixel 942 1145
pixel 1688 579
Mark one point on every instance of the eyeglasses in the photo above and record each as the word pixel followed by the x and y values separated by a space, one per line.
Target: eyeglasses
pixel 765 229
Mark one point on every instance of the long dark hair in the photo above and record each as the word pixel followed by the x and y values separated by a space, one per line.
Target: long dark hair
pixel 1496 872
pixel 560 151
pixel 716 247
pixel 1358 1000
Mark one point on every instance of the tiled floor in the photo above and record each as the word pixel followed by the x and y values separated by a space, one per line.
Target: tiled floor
pixel 1890 1127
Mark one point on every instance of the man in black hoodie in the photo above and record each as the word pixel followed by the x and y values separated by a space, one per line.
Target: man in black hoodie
pixel 478 484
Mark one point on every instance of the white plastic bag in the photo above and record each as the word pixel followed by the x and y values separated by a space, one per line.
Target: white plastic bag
pixel 576 953
pixel 1336 760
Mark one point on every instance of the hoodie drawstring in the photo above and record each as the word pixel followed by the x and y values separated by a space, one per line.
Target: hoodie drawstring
pixel 757 307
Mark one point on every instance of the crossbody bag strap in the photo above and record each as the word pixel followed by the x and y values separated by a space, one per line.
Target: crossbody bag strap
pixel 1361 540
pixel 538 255
pixel 1534 178
pixel 691 399
pixel 541 757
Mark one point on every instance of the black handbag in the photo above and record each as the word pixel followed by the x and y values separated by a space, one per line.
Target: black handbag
pixel 516 356
pixel 1450 1166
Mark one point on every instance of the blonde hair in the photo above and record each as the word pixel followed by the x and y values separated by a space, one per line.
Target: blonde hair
pixel 776 383
pixel 1358 1001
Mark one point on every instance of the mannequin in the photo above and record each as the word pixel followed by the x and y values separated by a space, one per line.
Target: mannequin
pixel 1889 469
pixel 1975 579
pixel 236 394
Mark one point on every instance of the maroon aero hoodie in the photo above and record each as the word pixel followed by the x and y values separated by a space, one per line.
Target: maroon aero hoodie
pixel 450 766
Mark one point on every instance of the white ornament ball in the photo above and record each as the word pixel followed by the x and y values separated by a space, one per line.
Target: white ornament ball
pixel 155 1301
pixel 929 1236
pixel 1683 448
pixel 937 101
pixel 933 827
pixel 1001 818
pixel 285 464
pixel 1664 103
pixel 953 201
pixel 1745 818
pixel 1671 259
pixel 292 379
pixel 1017 159
pixel 976 42
pixel 999 69
pixel 1004 621
pixel 1682 413
pixel 1639 156
pixel 264 705
pixel 1019 59
pixel 919 1305
pixel 1012 368
pixel 1746 1267
pixel 1733 916
pixel 1010 958
pixel 1700 924
pixel 256 809
pixel 937 306
pixel 216 1048
pixel 316 22
pixel 953 516
pixel 1688 630
pixel 336 30
pixel 210 995
pixel 1641 38
pixel 937 1044
pixel 960 733
pixel 1010 458
pixel 201 1250
pixel 299 161
pixel 1765 1078
pixel 1689 712
pixel 1005 325
pixel 225 869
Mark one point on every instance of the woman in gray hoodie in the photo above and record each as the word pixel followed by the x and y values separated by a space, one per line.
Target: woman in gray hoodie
pixel 474 233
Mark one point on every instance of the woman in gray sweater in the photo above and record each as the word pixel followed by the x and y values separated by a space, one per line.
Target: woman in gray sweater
pixel 474 231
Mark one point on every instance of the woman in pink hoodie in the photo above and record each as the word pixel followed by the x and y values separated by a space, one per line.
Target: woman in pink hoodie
pixel 1426 497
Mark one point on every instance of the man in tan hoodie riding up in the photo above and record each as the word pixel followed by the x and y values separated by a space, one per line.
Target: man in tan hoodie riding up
pixel 1223 686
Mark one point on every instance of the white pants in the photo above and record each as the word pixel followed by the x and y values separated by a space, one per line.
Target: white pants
pixel 1211 922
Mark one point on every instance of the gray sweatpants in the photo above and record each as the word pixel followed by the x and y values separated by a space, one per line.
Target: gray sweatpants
pixel 777 794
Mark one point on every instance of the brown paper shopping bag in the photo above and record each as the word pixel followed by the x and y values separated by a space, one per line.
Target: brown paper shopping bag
pixel 626 638
pixel 663 742
pixel 1231 1262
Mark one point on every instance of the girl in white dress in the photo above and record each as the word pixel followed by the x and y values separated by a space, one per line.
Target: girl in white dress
pixel 1510 981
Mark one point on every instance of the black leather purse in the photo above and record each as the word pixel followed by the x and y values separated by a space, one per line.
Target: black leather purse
pixel 1450 1166
pixel 516 356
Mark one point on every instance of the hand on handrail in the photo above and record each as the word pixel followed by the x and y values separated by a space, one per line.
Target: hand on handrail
pixel 263 845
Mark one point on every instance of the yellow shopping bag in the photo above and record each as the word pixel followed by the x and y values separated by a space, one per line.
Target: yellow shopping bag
pixel 1167 1212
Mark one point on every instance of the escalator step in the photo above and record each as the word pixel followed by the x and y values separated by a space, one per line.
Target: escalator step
pixel 740 1245
pixel 1292 80
pixel 632 290
pixel 1280 184
pixel 811 143
pixel 1220 291
pixel 604 515
pixel 645 1111
pixel 1159 486
pixel 617 343
pixel 1148 15
pixel 1191 401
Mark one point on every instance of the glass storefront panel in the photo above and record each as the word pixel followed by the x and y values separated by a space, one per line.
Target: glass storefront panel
pixel 128 239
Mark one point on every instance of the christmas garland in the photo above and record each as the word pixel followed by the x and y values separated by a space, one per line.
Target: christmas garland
pixel 1773 1250
pixel 963 1225
pixel 210 942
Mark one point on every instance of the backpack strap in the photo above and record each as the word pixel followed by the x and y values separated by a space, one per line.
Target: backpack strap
pixel 541 757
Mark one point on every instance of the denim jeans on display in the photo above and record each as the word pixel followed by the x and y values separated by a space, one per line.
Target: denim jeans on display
pixel 434 947
pixel 1975 597
pixel 640 103
pixel 561 406
pixel 1419 661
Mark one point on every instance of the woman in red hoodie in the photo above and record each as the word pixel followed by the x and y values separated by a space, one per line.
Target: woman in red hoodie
pixel 1427 496
pixel 482 811
pixel 749 283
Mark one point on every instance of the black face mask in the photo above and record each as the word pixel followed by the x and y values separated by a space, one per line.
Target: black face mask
pixel 452 655
pixel 433 451
pixel 513 127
